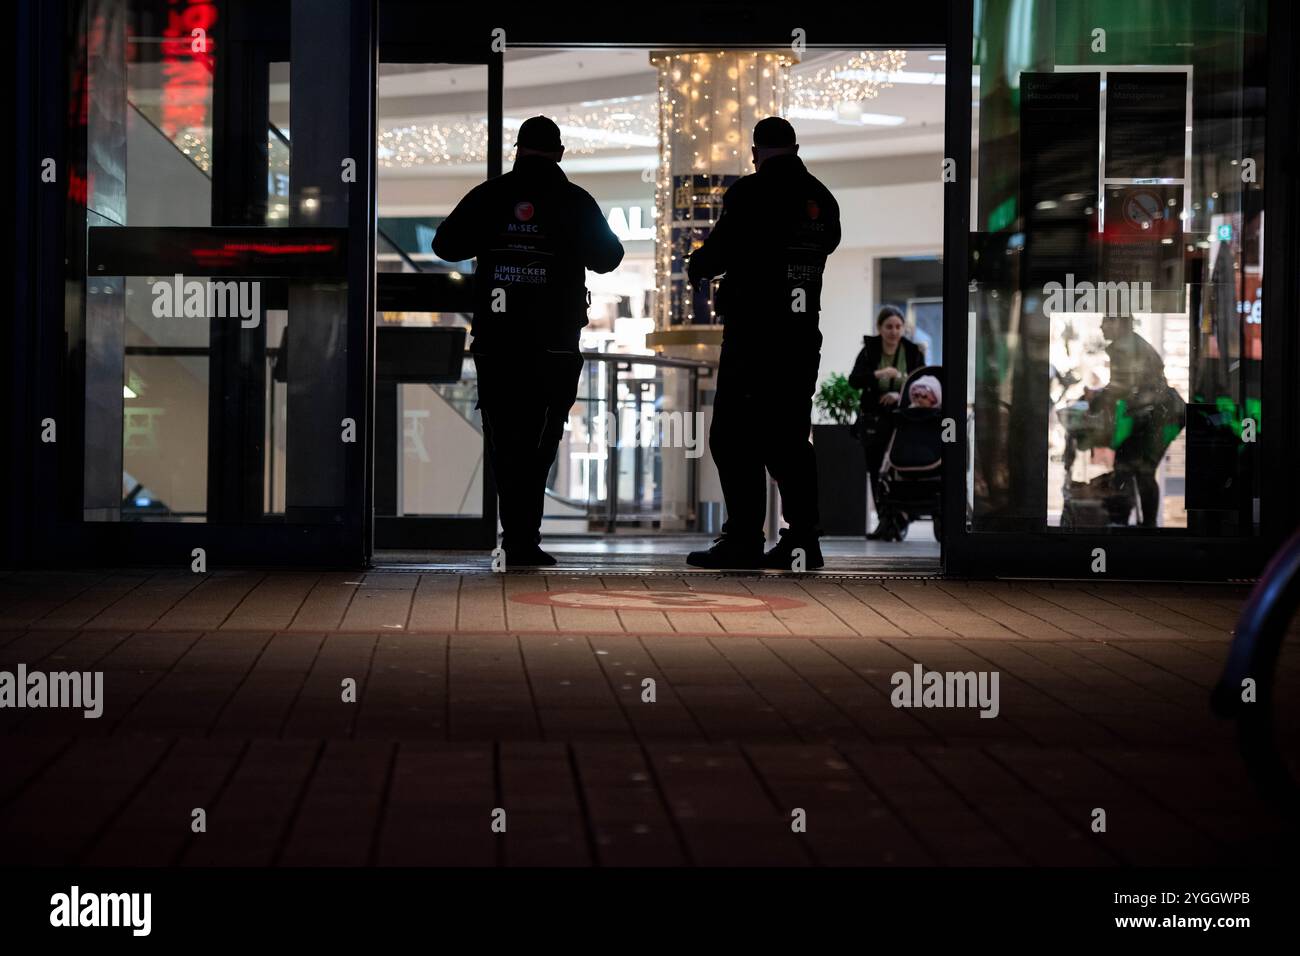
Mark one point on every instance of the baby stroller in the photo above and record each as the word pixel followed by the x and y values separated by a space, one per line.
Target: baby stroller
pixel 1102 501
pixel 911 474
pixel 1108 499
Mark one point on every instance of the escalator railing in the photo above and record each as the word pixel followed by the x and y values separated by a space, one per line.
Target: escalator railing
pixel 631 417
pixel 613 469
pixel 1253 657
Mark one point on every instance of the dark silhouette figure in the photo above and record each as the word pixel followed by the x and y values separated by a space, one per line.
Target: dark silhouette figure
pixel 776 229
pixel 533 233
pixel 882 367
pixel 1137 379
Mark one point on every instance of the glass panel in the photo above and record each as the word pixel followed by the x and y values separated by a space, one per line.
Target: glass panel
pixel 147 113
pixel 278 156
pixel 168 109
pixel 432 129
pixel 191 409
pixel 165 411
pixel 1116 265
pixel 432 138
pixel 654 449
pixel 914 286
pixel 635 466
pixel 441 442
pixel 165 438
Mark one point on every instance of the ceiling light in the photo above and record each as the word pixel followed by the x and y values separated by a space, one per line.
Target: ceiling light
pixel 835 116
pixel 903 77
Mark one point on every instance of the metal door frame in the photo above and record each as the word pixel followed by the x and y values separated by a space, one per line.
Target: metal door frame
pixel 1135 556
pixel 443 46
pixel 56 534
pixel 414 32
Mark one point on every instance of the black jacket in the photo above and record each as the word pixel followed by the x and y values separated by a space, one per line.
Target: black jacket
pixel 863 375
pixel 1137 372
pixel 533 233
pixel 776 229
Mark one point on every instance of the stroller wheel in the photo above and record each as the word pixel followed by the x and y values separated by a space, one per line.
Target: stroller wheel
pixel 900 530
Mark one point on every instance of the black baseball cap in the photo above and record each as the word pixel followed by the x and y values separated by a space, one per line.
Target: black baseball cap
pixel 773 132
pixel 538 132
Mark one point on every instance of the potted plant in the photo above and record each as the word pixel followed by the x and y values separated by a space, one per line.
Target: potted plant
pixel 841 468
pixel 838 400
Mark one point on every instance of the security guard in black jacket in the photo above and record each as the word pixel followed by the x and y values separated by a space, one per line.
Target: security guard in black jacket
pixel 533 233
pixel 771 241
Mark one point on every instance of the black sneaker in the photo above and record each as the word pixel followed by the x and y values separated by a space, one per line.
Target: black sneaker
pixel 727 553
pixel 782 556
pixel 528 556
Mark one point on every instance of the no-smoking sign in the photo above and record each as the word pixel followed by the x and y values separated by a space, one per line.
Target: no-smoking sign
pixel 643 599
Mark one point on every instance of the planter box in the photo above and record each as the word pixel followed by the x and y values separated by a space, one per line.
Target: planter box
pixel 841 480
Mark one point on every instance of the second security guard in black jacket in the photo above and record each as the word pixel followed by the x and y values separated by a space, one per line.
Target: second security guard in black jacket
pixel 770 245
pixel 534 234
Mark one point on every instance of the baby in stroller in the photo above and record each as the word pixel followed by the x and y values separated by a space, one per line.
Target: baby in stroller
pixel 911 475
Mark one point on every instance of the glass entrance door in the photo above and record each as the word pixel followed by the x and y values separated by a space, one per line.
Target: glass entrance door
pixel 1114 280
pixel 433 489
pixel 220 292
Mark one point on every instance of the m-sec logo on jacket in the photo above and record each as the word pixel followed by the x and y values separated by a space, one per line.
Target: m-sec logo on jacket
pixel 524 211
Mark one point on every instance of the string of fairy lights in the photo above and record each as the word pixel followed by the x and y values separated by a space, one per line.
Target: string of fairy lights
pixel 622 123
pixel 859 78
pixel 630 123
pixel 619 123
pixel 708 103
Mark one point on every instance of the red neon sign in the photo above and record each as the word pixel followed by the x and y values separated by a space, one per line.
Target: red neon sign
pixel 187 65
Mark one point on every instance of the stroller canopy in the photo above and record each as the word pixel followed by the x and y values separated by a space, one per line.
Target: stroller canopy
pixel 916 447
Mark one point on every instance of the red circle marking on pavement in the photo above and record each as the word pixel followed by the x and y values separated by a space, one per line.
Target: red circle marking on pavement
pixel 656 599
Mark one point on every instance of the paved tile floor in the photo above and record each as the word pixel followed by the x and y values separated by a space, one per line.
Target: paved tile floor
pixel 522 698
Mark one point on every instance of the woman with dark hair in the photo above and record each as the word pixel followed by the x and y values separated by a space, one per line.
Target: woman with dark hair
pixel 880 371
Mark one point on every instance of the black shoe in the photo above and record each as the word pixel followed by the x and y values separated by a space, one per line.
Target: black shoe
pixel 782 556
pixel 528 556
pixel 727 553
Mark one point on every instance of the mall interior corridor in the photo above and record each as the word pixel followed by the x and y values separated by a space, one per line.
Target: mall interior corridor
pixel 625 719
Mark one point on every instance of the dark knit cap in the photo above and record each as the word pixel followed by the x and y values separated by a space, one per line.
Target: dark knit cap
pixel 773 132
pixel 538 132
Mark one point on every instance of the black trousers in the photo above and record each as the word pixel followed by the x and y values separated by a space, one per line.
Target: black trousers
pixel 874 449
pixel 762 417
pixel 1136 460
pixel 524 399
